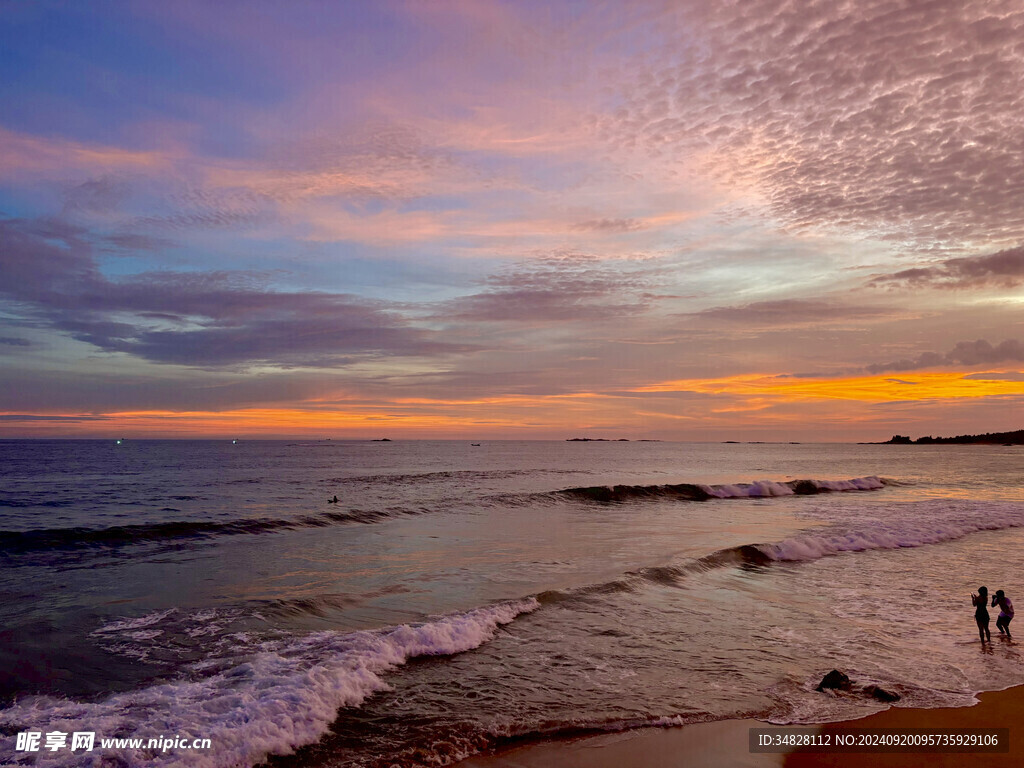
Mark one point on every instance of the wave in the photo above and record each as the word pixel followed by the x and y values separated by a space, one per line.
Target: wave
pixel 914 529
pixel 280 699
pixel 445 475
pixel 894 534
pixel 698 492
pixel 74 538
pixel 249 709
pixel 77 538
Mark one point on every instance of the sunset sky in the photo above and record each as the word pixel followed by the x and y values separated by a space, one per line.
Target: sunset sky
pixel 690 220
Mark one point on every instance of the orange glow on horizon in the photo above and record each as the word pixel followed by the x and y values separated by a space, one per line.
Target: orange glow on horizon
pixel 751 400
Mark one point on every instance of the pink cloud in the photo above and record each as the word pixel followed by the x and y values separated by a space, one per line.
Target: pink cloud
pixel 26 155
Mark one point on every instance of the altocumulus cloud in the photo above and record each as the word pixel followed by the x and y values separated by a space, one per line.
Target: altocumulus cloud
pixel 899 118
pixel 214 319
pixel 558 289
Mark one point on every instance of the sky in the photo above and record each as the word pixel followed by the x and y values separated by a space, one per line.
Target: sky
pixel 469 219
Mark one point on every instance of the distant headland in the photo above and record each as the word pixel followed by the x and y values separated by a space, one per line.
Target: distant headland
pixel 989 438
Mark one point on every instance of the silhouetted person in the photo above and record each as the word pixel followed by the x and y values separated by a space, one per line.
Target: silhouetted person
pixel 980 603
pixel 333 501
pixel 1005 612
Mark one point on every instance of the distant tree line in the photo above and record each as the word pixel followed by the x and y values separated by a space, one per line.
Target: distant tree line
pixel 1015 438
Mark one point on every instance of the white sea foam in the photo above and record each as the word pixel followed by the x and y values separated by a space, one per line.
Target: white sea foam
pixel 854 484
pixel 931 525
pixel 124 625
pixel 145 634
pixel 278 700
pixel 741 490
pixel 762 488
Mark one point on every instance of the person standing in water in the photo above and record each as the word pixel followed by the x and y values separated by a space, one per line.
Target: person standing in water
pixel 1005 612
pixel 980 603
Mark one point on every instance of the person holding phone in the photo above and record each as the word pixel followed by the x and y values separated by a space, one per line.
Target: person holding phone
pixel 980 603
pixel 1005 612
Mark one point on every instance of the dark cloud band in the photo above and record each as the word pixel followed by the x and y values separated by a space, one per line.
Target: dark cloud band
pixel 1004 269
pixel 968 353
pixel 213 319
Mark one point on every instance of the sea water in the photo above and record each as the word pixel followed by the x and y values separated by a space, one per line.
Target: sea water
pixel 459 597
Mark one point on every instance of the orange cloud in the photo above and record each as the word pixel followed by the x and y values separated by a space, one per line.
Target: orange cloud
pixel 870 389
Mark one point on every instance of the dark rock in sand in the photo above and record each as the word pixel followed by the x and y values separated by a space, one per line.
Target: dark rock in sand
pixel 835 680
pixel 881 694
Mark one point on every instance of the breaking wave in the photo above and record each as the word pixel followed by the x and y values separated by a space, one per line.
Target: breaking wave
pixel 914 531
pixel 917 526
pixel 283 697
pixel 698 492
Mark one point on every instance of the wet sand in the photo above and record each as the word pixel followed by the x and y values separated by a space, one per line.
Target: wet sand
pixel 725 744
pixel 720 744
pixel 998 709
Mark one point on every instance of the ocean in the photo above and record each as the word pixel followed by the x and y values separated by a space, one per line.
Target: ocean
pixel 457 598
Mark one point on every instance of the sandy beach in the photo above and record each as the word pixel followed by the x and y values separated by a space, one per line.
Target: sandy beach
pixel 726 743
pixel 997 709
pixel 701 745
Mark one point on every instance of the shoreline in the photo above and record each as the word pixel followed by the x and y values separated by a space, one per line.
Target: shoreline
pixel 995 709
pixel 725 743
pixel 714 744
